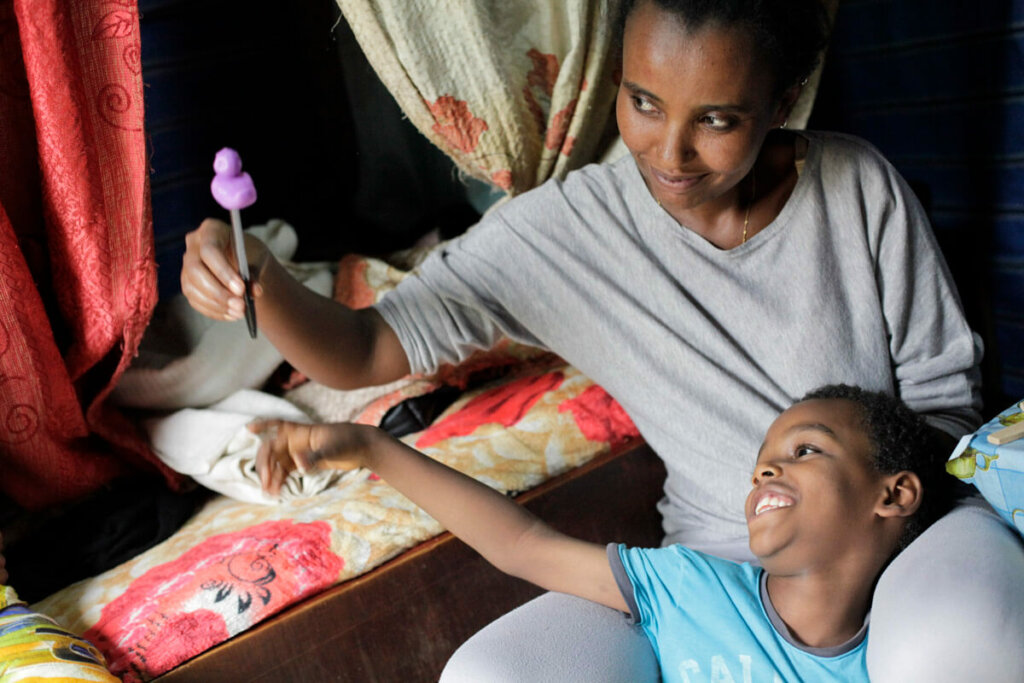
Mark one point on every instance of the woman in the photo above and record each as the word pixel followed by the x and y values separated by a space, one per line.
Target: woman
pixel 707 281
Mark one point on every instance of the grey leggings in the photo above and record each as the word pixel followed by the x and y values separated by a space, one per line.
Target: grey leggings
pixel 949 608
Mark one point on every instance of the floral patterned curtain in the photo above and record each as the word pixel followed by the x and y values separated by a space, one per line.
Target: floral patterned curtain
pixel 77 273
pixel 513 92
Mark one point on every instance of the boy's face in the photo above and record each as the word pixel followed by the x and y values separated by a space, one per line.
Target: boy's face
pixel 816 490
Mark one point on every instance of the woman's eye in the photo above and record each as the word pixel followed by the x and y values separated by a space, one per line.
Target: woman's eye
pixel 719 123
pixel 642 104
pixel 803 450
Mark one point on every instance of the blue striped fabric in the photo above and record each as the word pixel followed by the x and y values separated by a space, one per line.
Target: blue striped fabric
pixel 938 86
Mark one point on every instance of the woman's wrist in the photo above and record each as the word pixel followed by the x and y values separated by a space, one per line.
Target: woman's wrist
pixel 257 254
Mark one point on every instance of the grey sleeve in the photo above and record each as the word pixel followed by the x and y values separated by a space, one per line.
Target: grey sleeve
pixel 623 582
pixel 462 298
pixel 936 357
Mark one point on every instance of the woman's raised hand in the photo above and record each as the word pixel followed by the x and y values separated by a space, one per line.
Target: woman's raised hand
pixel 209 274
pixel 287 446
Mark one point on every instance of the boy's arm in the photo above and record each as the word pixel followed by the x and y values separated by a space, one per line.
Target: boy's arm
pixel 509 537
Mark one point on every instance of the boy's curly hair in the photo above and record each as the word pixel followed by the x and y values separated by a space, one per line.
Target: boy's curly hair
pixel 902 441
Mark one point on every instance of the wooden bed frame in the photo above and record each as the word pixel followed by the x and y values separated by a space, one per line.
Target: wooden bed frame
pixel 403 620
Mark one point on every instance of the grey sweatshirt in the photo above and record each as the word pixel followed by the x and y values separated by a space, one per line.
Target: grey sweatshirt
pixel 704 347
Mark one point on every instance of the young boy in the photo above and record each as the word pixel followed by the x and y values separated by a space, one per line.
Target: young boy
pixel 838 489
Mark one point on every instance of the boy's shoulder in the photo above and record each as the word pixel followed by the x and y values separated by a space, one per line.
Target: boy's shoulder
pixel 690 566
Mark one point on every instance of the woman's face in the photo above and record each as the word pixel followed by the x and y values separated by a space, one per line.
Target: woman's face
pixel 693 109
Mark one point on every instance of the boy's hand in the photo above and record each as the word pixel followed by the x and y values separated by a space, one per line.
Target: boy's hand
pixel 289 446
pixel 209 273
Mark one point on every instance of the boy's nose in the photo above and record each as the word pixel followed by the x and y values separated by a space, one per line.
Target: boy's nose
pixel 762 472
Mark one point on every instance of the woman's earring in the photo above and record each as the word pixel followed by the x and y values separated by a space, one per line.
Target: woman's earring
pixel 784 123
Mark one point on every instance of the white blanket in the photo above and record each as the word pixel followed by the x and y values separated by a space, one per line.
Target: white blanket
pixel 213 446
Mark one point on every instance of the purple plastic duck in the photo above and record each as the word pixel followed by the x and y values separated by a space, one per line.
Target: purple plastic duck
pixel 234 190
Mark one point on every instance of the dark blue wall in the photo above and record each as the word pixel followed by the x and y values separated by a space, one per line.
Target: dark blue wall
pixel 261 77
pixel 286 85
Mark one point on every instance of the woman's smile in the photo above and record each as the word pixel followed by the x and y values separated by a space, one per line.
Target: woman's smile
pixel 694 109
pixel 676 183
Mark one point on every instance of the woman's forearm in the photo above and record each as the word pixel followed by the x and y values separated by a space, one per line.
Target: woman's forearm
pixel 323 339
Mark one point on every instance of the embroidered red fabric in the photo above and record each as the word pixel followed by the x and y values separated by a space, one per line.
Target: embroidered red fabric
pixel 77 272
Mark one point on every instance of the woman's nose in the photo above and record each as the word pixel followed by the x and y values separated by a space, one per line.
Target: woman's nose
pixel 677 146
pixel 762 472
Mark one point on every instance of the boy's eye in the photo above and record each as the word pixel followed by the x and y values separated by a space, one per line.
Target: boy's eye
pixel 804 449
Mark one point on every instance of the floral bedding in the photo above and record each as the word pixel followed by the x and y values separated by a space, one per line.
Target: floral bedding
pixel 234 564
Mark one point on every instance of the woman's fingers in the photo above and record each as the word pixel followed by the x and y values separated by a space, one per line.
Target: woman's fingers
pixel 209 276
pixel 206 294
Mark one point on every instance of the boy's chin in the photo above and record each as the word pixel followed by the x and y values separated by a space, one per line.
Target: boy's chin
pixel 770 548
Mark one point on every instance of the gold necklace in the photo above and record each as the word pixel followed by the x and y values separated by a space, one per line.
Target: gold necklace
pixel 753 195
pixel 750 204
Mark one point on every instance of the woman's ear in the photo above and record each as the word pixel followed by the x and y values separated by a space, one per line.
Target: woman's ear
pixel 902 495
pixel 785 105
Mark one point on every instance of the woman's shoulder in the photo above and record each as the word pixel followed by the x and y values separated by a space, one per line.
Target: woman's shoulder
pixel 594 189
pixel 835 146
pixel 616 176
pixel 841 159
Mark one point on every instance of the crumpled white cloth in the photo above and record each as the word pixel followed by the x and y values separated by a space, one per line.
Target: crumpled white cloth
pixel 187 360
pixel 213 446
pixel 207 372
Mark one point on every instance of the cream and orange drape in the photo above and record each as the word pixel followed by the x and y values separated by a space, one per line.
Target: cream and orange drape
pixel 514 92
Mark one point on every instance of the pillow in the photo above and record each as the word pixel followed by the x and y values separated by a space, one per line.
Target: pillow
pixel 33 647
pixel 992 459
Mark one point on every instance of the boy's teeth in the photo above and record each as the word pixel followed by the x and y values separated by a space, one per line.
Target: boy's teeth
pixel 771 503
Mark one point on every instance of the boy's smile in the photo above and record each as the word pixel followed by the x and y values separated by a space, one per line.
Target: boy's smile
pixel 815 487
pixel 769 500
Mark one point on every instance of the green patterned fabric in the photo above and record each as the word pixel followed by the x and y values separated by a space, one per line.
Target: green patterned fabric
pixel 34 648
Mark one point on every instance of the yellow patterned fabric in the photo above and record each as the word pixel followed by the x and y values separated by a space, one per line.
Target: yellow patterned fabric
pixel 33 648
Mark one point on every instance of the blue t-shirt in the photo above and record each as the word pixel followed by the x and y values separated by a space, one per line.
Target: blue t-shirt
pixel 709 619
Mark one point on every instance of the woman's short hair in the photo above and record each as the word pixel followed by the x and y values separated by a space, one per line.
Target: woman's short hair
pixel 789 34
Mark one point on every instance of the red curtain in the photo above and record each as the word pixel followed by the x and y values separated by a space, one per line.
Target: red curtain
pixel 77 273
